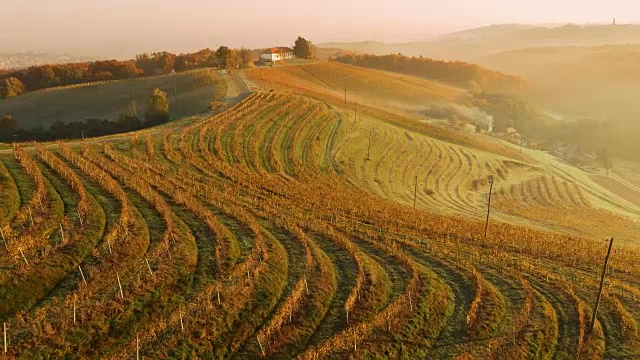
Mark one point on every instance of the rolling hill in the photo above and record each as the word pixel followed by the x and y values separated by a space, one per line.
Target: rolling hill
pixel 473 44
pixel 195 91
pixel 283 226
pixel 575 84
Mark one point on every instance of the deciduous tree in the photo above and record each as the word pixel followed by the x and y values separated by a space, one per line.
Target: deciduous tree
pixel 245 56
pixel 158 112
pixel 304 48
pixel 13 87
pixel 227 58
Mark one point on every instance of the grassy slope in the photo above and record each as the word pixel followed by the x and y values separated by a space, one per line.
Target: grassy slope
pixel 447 162
pixel 445 279
pixel 363 85
pixel 388 96
pixel 107 100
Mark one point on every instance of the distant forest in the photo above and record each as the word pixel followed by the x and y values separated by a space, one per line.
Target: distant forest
pixel 456 73
pixel 17 82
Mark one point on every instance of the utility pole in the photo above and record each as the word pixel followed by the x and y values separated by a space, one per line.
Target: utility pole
pixel 486 225
pixel 604 272
pixel 345 92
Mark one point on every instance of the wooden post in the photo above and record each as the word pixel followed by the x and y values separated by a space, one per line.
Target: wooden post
pixel 80 217
pixel 410 302
pixel 74 310
pixel 355 113
pixel 137 347
pixel 119 285
pixel 5 337
pixel 355 340
pixel 181 322
pixel 81 273
pixel 415 192
pixel 62 234
pixel 604 272
pixel 4 240
pixel 260 344
pixel 345 92
pixel 24 257
pixel 486 225
pixel 109 244
pixel 30 216
pixel 149 267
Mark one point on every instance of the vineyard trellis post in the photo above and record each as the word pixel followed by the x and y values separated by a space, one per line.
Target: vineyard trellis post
pixel 4 240
pixel 119 285
pixel 149 267
pixel 486 225
pixel 260 344
pixel 355 113
pixel 82 274
pixel 604 273
pixel 30 216
pixel 415 192
pixel 62 234
pixel 24 257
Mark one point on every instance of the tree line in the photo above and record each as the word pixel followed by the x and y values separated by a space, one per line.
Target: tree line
pixel 18 82
pixel 456 73
pixel 129 120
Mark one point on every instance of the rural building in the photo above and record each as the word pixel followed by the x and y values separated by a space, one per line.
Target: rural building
pixel 277 54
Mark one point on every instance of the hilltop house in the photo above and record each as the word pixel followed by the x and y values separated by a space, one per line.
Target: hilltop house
pixel 277 54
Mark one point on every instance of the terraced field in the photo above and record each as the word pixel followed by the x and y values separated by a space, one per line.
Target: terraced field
pixel 271 230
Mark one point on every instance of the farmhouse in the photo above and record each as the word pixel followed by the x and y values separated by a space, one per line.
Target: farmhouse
pixel 277 54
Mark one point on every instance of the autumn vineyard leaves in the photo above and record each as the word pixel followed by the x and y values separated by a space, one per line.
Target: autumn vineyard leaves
pixel 238 235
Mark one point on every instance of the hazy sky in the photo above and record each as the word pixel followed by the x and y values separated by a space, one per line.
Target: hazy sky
pixel 130 26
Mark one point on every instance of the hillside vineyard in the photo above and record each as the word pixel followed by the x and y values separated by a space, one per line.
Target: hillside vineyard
pixel 268 230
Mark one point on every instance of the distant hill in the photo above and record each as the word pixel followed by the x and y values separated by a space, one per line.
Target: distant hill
pixel 106 100
pixel 456 73
pixel 25 60
pixel 473 44
pixel 577 83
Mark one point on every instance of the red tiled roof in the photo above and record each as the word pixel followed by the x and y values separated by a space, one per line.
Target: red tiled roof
pixel 278 50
